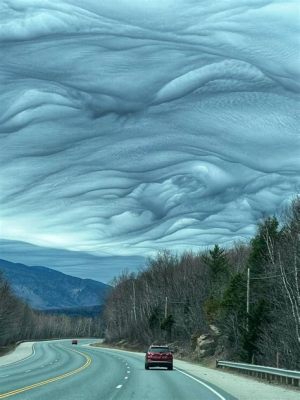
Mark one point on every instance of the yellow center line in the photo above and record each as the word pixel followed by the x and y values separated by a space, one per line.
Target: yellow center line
pixel 50 380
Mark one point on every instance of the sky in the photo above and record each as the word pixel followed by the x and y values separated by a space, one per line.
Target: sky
pixel 131 126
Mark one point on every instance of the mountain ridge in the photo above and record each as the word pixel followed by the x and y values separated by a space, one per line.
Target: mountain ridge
pixel 44 288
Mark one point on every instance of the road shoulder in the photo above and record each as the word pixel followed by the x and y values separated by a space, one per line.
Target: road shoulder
pixel 20 353
pixel 243 388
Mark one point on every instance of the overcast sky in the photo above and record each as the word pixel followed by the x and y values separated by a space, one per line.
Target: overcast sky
pixel 129 126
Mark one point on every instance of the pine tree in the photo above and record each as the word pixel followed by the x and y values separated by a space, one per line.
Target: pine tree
pixel 219 267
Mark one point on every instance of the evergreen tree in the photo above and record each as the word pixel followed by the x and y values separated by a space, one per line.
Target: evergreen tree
pixel 262 246
pixel 167 325
pixel 233 313
pixel 218 263
pixel 257 319
pixel 219 267
pixel 262 264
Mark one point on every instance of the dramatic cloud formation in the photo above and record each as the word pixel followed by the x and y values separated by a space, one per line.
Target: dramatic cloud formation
pixel 133 125
pixel 76 263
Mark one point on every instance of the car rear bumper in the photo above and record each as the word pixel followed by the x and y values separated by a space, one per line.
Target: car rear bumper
pixel 166 364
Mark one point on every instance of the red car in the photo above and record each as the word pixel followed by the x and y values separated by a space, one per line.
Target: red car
pixel 159 356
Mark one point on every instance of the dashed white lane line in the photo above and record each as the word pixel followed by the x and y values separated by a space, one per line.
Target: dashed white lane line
pixel 126 377
pixel 119 386
pixel 4 376
pixel 29 370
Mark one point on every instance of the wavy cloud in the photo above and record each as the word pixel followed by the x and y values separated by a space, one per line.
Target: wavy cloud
pixel 130 126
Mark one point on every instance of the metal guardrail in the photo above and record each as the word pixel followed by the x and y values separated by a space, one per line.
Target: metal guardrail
pixel 283 375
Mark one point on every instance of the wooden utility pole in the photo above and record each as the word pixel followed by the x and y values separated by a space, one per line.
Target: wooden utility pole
pixel 134 303
pixel 166 307
pixel 248 297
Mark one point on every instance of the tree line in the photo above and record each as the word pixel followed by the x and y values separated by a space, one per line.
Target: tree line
pixel 18 321
pixel 250 292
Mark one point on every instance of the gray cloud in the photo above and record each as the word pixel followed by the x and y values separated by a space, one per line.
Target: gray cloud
pixel 133 126
pixel 76 263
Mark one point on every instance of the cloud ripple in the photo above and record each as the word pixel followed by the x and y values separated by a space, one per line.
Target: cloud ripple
pixel 129 126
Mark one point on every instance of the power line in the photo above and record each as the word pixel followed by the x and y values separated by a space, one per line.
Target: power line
pixel 274 276
pixel 266 277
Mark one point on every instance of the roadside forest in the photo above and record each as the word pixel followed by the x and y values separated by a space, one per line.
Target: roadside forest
pixel 19 322
pixel 247 295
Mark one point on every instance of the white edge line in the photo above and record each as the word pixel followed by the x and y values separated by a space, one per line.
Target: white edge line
pixel 19 361
pixel 202 383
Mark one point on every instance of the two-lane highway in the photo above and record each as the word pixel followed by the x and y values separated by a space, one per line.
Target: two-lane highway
pixel 61 371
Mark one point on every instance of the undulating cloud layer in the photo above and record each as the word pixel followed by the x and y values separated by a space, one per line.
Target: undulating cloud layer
pixel 76 263
pixel 131 125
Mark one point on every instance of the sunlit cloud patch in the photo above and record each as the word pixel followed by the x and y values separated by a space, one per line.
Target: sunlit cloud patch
pixel 130 126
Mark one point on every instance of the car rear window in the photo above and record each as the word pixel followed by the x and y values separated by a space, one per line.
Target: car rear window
pixel 159 349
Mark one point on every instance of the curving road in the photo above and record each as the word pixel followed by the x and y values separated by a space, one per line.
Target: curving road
pixel 59 371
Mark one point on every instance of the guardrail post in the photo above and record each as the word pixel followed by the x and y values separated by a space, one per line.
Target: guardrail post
pixel 296 382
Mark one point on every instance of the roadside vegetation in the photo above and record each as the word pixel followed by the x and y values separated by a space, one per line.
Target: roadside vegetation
pixel 241 303
pixel 19 322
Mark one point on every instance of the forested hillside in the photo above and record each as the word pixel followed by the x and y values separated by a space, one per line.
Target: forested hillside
pixel 181 298
pixel 19 322
pixel 45 289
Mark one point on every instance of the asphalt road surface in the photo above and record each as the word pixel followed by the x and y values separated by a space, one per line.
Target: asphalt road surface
pixel 59 370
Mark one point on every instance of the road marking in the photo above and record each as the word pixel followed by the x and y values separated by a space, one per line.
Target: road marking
pixel 50 380
pixel 20 361
pixel 202 383
pixel 119 386
pixel 29 370
pixel 126 377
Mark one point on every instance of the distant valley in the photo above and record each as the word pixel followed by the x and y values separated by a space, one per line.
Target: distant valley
pixel 49 290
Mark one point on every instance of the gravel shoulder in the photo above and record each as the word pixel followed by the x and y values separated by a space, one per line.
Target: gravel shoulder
pixel 21 352
pixel 244 388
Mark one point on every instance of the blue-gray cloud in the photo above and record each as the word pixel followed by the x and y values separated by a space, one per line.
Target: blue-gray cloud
pixel 130 126
pixel 76 263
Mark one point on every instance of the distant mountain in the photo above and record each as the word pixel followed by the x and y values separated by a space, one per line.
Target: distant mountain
pixel 85 311
pixel 46 289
